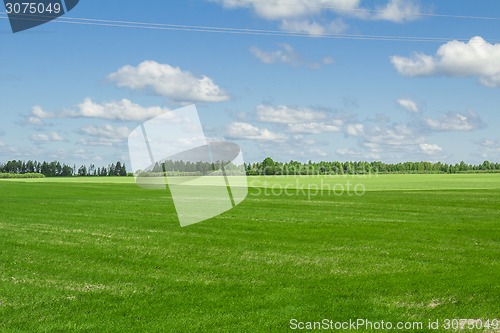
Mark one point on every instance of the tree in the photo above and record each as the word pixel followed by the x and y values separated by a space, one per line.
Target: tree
pixel 123 171
pixel 82 171
pixel 268 166
pixel 118 169
pixel 67 171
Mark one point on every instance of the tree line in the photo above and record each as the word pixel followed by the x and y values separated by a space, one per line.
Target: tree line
pixel 58 169
pixel 270 167
pixel 267 167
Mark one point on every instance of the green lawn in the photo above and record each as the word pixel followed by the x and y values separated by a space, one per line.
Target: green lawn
pixel 102 255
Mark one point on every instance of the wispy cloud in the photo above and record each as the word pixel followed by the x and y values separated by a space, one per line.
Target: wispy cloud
pixel 286 54
pixel 409 105
pixel 123 110
pixel 285 114
pixel 314 28
pixel 467 121
pixel 107 131
pixel 246 131
pixel 314 128
pixel 47 137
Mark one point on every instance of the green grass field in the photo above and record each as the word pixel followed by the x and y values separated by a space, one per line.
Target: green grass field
pixel 103 255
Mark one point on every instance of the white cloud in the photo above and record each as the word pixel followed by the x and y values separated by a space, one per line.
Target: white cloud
pixel 167 81
pixel 285 55
pixel 303 26
pixel 314 128
pixel 355 129
pixel 409 105
pixel 35 121
pixel 491 145
pixel 392 138
pixel 476 58
pixel 102 142
pixel 430 149
pixel 314 28
pixel 5 149
pixel 107 131
pixel 348 152
pixel 115 110
pixel 279 9
pixel 328 60
pixel 239 130
pixel 38 112
pixel 299 139
pixel 284 114
pixel 398 11
pixel 317 152
pixel 47 137
pixel 300 15
pixel 106 135
pixel 467 121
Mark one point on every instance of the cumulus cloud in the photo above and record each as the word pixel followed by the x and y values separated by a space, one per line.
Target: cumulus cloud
pixel 47 137
pixel 430 149
pixel 409 105
pixel 476 58
pixel 284 114
pixel 467 121
pixel 124 110
pixel 246 131
pixel 168 81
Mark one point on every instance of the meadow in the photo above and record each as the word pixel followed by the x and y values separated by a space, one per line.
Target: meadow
pixel 103 255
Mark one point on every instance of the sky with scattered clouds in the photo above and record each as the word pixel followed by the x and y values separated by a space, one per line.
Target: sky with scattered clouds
pixel 398 80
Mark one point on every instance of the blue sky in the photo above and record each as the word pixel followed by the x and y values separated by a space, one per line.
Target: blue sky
pixel 428 90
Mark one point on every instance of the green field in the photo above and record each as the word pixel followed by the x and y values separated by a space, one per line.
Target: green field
pixel 103 255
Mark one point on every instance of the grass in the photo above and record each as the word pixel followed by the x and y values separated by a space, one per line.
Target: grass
pixel 102 255
pixel 20 176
